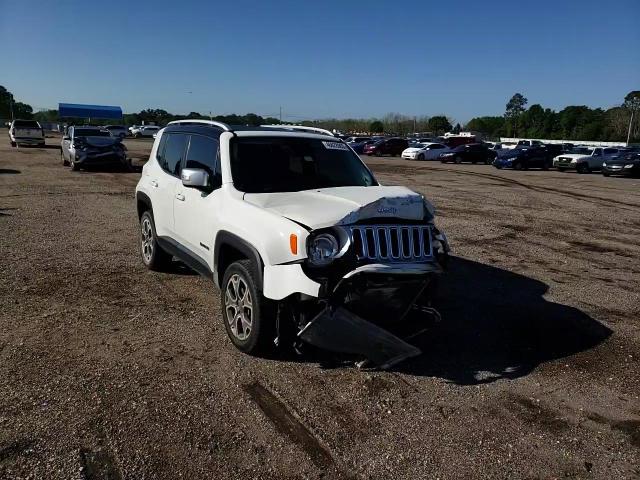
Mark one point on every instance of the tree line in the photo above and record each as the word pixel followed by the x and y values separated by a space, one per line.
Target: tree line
pixel 576 122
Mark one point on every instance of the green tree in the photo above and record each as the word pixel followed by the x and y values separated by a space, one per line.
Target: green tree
pixel 376 127
pixel 439 124
pixel 632 104
pixel 632 100
pixel 491 127
pixel 515 106
pixel 20 110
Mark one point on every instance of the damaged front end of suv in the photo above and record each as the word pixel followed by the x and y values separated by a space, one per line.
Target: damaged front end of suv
pixel 376 266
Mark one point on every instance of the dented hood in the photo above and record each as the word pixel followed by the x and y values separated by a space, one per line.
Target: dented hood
pixel 342 205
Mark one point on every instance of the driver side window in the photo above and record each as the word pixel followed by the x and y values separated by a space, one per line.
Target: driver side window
pixel 204 153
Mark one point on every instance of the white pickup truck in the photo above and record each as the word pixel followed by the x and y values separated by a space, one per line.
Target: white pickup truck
pixel 26 132
pixel 584 159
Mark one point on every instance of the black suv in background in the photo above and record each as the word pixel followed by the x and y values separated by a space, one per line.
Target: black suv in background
pixel 523 158
pixel 473 152
pixel 387 146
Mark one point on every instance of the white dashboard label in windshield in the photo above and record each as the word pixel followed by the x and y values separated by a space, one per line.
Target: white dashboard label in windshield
pixel 335 146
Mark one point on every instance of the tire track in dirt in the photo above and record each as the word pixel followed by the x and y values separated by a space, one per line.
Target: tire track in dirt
pixel 511 182
pixel 288 425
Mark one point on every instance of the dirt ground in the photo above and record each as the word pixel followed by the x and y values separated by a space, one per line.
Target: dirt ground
pixel 109 371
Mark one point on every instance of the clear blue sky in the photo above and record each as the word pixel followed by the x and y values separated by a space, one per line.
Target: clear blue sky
pixel 323 58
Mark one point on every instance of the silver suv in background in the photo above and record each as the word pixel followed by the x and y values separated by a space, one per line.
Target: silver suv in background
pixel 95 146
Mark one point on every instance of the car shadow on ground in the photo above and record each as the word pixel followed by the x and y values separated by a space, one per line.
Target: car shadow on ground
pixel 495 325
pixel 9 171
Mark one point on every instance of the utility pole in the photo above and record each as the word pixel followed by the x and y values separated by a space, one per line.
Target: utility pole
pixel 11 105
pixel 280 114
pixel 630 125
pixel 210 117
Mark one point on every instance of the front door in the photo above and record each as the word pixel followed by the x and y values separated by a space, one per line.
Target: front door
pixel 196 210
pixel 164 181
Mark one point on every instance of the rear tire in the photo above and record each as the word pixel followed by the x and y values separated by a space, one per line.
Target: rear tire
pixel 561 169
pixel 153 256
pixel 249 317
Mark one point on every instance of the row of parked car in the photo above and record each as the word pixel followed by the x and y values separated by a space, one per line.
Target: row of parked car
pixel 135 131
pixel 522 156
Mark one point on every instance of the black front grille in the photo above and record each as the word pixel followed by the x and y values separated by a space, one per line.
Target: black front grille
pixel 395 243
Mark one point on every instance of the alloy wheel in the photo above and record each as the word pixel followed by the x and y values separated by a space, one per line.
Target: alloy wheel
pixel 239 307
pixel 147 240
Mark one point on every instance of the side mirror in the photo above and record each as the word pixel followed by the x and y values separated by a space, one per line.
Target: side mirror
pixel 195 178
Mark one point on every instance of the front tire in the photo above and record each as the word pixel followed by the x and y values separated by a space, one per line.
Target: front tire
pixel 72 161
pixel 14 144
pixel 65 162
pixel 583 168
pixel 458 160
pixel 153 256
pixel 420 157
pixel 249 317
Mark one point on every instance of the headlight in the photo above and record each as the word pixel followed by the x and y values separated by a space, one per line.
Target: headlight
pixel 629 165
pixel 322 249
pixel 574 161
pixel 604 164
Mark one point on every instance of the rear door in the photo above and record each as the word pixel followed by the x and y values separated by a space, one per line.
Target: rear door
pixel 535 157
pixel 434 151
pixel 196 211
pixel 596 159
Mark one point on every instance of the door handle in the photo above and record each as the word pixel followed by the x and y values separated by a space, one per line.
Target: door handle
pixel 154 183
pixel 180 197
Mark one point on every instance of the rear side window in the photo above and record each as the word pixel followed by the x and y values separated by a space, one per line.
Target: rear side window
pixel 173 152
pixel 203 153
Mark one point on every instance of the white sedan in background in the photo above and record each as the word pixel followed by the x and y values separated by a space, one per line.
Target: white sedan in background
pixel 425 151
pixel 145 131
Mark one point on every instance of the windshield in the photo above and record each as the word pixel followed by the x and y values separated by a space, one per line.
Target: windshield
pixel 582 150
pixel 285 164
pixel 90 132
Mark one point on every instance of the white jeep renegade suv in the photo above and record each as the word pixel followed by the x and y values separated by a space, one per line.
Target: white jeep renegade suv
pixel 294 229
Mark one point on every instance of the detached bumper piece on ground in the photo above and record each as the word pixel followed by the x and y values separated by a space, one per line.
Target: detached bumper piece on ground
pixel 368 314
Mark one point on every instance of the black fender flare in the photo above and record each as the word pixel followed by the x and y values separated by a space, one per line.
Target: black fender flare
pixel 227 238
pixel 143 198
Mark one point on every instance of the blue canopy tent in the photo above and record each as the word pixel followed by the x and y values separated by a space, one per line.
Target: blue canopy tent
pixel 89 111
